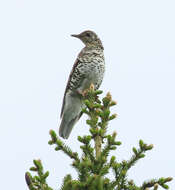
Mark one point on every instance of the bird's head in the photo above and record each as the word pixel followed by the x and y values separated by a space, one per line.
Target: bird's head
pixel 89 38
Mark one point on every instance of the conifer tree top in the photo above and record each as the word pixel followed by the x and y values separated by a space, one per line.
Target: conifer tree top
pixel 95 163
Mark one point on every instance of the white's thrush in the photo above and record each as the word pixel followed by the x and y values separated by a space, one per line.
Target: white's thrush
pixel 88 69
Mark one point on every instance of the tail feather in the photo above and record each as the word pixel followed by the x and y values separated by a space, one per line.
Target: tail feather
pixel 71 114
pixel 67 126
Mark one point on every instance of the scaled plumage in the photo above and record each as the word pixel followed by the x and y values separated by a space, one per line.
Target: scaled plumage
pixel 88 68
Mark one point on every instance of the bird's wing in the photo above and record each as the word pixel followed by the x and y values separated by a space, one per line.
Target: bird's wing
pixel 67 86
pixel 70 84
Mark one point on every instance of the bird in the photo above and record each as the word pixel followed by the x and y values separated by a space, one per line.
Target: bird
pixel 88 69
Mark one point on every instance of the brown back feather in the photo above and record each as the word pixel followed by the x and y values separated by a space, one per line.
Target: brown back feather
pixel 70 76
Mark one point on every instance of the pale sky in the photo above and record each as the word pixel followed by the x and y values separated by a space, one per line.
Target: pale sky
pixel 36 57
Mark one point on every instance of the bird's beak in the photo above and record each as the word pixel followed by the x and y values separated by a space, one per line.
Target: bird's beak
pixel 75 35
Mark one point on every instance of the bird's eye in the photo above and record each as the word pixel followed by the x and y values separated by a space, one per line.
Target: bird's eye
pixel 88 35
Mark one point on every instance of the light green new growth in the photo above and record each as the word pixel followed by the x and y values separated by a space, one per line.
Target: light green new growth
pixel 95 162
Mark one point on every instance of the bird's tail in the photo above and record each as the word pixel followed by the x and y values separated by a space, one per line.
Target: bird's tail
pixel 71 114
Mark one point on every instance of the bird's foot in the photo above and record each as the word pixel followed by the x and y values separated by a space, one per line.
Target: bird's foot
pixel 82 93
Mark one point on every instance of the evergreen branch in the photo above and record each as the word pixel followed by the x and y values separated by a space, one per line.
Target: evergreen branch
pixel 126 165
pixel 61 146
pixel 37 182
pixel 111 144
pixel 87 148
pixel 120 174
pixel 131 186
pixel 66 180
pixel 138 153
pixel 84 169
pixel 154 183
pixel 105 169
pixel 68 183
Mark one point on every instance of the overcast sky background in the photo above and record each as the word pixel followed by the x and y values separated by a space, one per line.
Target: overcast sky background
pixel 36 57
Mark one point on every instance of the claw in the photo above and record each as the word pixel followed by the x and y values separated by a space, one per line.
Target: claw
pixel 82 93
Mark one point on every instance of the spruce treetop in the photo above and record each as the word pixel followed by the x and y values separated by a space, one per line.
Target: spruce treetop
pixel 95 163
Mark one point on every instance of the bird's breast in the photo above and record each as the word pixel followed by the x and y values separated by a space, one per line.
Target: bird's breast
pixel 94 71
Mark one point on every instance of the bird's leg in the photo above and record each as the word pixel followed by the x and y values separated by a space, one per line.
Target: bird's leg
pixel 79 92
pixel 82 92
